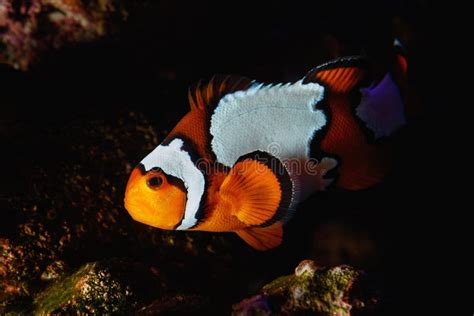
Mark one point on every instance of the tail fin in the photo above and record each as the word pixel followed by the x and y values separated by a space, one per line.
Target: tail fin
pixel 355 128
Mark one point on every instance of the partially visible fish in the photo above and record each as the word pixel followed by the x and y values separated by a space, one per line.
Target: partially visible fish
pixel 247 153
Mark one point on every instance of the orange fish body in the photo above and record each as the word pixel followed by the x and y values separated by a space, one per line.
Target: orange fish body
pixel 246 154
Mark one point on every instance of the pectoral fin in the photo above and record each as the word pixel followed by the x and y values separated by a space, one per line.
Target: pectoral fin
pixel 255 191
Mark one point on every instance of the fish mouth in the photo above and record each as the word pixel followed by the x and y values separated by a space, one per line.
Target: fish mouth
pixel 136 212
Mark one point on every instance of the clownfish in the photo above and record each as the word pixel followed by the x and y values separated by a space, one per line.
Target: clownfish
pixel 247 153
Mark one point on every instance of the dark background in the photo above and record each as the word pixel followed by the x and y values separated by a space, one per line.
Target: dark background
pixel 165 46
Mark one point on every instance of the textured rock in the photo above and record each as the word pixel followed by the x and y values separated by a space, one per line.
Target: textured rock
pixel 324 291
pixel 31 28
pixel 21 264
pixel 98 288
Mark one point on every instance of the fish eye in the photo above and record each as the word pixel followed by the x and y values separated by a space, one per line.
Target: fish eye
pixel 154 182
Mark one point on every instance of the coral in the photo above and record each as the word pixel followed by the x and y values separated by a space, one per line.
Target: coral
pixel 324 291
pixel 31 28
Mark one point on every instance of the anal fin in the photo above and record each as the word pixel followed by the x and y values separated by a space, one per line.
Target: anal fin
pixel 263 238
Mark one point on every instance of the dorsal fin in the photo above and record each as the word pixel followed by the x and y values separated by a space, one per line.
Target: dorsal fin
pixel 340 75
pixel 204 95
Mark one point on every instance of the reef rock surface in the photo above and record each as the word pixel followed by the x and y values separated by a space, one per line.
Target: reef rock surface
pixel 311 289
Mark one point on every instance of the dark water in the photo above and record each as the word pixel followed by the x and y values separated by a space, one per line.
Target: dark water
pixel 166 46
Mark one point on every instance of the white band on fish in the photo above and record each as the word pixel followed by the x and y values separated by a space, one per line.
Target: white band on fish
pixel 178 163
pixel 250 120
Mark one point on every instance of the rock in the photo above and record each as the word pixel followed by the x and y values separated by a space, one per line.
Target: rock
pixel 53 271
pixel 21 263
pixel 306 267
pixel 29 29
pixel 312 289
pixel 99 288
pixel 256 305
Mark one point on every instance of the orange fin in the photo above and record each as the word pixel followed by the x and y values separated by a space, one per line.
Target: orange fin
pixel 254 190
pixel 341 75
pixel 263 238
pixel 208 94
